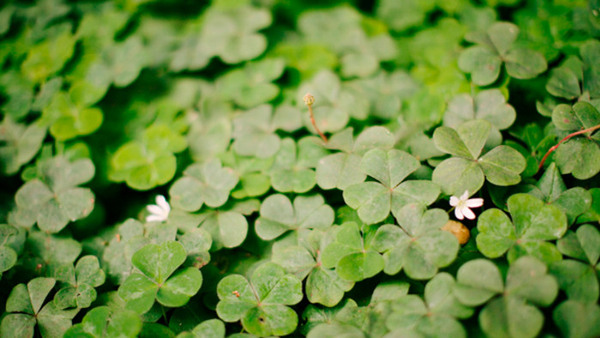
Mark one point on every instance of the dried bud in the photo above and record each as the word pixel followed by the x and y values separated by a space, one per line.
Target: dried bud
pixel 309 99
pixel 459 231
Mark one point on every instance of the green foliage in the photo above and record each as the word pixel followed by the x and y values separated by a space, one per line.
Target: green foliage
pixel 284 168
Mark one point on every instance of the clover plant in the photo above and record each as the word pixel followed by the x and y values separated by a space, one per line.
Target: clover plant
pixel 256 168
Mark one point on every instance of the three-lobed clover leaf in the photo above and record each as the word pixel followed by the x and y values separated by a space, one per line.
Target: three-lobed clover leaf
pixel 352 253
pixel 495 47
pixel 418 245
pixel 323 285
pixel 49 56
pixel 341 170
pixel 56 199
pixel 579 156
pixel 489 105
pixel 292 169
pixel 375 199
pixel 46 251
pixel 69 119
pixel 527 232
pixel 24 311
pixel 250 86
pixel 261 303
pixel 254 130
pixel 146 163
pixel 509 309
pixel 208 183
pixel 552 189
pixel 578 277
pixel 466 170
pixel 576 77
pixel 20 143
pixel 82 281
pixel 577 318
pixel 278 215
pixel 434 315
pixel 159 278
pixel 342 319
pixel 105 321
pixel 228 226
pixel 116 257
pixel 254 179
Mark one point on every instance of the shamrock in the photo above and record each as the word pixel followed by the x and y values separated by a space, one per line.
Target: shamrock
pixel 55 199
pixel 159 278
pixel 509 309
pixel 81 281
pixel 68 117
pixel 375 199
pixel 20 143
pixel 494 47
pixel 577 77
pixel 435 315
pixel 418 245
pixel 467 168
pixel 579 276
pixel 278 215
pixel 24 311
pixel 533 224
pixel 293 165
pixel 261 302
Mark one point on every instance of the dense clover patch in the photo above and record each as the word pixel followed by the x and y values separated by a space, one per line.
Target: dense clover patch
pixel 247 168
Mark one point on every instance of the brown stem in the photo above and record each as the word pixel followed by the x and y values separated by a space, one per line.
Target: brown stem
pixel 309 100
pixel 566 138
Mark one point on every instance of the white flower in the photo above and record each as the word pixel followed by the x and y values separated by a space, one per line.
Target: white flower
pixel 461 205
pixel 159 212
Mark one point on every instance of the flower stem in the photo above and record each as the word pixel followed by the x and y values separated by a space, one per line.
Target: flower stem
pixel 309 100
pixel 566 138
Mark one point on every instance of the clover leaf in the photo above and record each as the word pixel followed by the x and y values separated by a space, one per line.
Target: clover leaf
pixel 24 311
pixel 20 143
pixel 228 226
pixel 17 91
pixel 375 200
pixel 533 224
pixel 254 179
pixel 105 321
pixel 211 328
pixel 253 133
pixel 160 278
pixel 509 309
pixel 342 169
pixel 577 76
pixel 261 302
pixel 551 189
pixel 577 319
pixel 69 119
pixel 593 213
pixel 494 47
pixel 45 252
pixel 408 14
pixel 120 248
pixel 143 164
pixel 278 215
pixel 207 183
pixel 56 199
pixel 386 93
pixel 81 280
pixel 579 276
pixel 251 85
pixel 12 240
pixel 465 171
pixel 293 165
pixel 353 257
pixel 49 56
pixel 436 315
pixel 489 105
pixel 330 321
pixel 323 285
pixel 579 156
pixel 418 245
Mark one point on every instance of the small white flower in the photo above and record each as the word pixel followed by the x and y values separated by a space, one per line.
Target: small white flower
pixel 461 205
pixel 159 212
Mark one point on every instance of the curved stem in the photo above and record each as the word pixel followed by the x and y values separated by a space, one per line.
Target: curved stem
pixel 309 100
pixel 566 138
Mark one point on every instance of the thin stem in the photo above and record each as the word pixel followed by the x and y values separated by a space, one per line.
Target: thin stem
pixel 566 138
pixel 309 100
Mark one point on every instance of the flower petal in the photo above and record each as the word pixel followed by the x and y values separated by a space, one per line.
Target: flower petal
pixel 161 201
pixel 474 202
pixel 468 213
pixel 454 201
pixel 465 195
pixel 155 209
pixel 154 218
pixel 458 213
